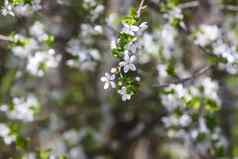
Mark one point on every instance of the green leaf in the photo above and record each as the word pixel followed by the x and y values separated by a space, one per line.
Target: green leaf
pixel 21 142
pixel 44 154
pixel 171 69
pixel 194 103
pixel 211 105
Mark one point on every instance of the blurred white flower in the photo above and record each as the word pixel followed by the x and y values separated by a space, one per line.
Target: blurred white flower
pixel 124 94
pixel 206 34
pixel 130 29
pixel 24 109
pixel 38 30
pixel 185 120
pixel 5 133
pixel 7 9
pixel 128 63
pixel 41 61
pixel 108 80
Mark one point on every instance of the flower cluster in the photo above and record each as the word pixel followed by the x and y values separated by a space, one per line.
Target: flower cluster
pixel 22 109
pixel 123 77
pixel 5 133
pixel 175 17
pixel 209 37
pixel 36 50
pixel 190 109
pixel 20 7
pixel 7 9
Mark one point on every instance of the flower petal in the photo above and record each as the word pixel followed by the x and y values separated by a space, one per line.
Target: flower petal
pixel 132 67
pixel 103 79
pixel 106 85
pixel 132 58
pixel 126 68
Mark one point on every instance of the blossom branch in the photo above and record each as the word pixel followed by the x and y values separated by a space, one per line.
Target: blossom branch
pixel 194 75
pixel 141 6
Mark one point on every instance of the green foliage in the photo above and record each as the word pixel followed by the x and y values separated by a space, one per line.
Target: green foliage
pixel 132 18
pixel 17 2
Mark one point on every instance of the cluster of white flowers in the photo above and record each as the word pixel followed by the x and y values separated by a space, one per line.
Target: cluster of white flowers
pixel 175 17
pixel 7 9
pixel 96 9
pixel 23 108
pixel 207 34
pixel 22 9
pixel 6 134
pixel 85 58
pixel 210 35
pixel 178 99
pixel 37 30
pixel 181 95
pixel 42 61
pixel 127 62
pixel 134 30
pixel 40 57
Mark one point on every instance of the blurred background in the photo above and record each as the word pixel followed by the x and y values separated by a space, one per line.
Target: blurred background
pixel 70 112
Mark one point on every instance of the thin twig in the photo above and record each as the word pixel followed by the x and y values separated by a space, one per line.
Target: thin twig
pixel 194 75
pixel 140 8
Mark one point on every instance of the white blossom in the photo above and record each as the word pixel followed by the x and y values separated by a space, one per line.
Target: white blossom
pixel 5 133
pixel 124 94
pixel 38 30
pixel 108 80
pixel 207 34
pixel 7 9
pixel 175 14
pixel 46 59
pixel 185 120
pixel 210 88
pixel 179 90
pixel 225 51
pixel 142 27
pixel 128 63
pixel 23 108
pixel 130 29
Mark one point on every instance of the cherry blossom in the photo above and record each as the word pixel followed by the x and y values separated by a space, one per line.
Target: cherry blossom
pixel 108 80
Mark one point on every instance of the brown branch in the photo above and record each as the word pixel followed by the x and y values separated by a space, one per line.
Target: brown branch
pixel 141 6
pixel 194 75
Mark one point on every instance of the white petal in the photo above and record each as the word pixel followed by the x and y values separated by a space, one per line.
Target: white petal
pixel 106 85
pixel 132 58
pixel 107 75
pixel 128 96
pixel 112 78
pixel 134 28
pixel 103 79
pixel 124 98
pixel 126 57
pixel 126 68
pixel 113 84
pixel 132 67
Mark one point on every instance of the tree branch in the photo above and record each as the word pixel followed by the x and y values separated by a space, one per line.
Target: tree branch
pixel 194 75
pixel 141 6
